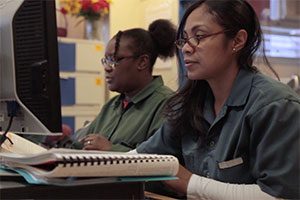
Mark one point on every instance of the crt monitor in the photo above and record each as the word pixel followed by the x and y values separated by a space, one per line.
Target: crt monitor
pixel 29 71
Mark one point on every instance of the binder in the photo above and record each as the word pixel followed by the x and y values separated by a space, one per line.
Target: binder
pixel 83 163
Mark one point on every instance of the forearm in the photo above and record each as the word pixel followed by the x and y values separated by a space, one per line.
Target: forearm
pixel 204 188
pixel 199 187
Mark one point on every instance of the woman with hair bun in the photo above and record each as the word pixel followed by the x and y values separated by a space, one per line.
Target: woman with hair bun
pixel 134 115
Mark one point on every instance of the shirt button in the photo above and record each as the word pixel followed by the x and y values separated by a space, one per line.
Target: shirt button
pixel 212 143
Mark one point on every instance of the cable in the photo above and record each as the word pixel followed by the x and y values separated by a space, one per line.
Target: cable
pixel 4 137
pixel 12 109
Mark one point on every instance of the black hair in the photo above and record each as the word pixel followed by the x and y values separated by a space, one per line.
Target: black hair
pixel 117 44
pixel 185 109
pixel 158 41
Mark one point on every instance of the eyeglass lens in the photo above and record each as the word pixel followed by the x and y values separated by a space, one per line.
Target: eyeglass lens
pixel 109 62
pixel 194 40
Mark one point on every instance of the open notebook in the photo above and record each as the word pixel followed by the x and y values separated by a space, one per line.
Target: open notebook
pixel 80 163
pixel 40 162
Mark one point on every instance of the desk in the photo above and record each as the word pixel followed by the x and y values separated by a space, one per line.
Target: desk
pixel 17 188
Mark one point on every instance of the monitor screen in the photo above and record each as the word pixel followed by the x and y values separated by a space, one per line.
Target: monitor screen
pixel 29 71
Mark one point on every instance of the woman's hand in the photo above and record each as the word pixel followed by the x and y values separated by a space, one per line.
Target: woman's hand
pixel 180 185
pixel 96 142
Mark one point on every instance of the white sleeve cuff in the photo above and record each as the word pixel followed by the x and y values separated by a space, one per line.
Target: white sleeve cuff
pixel 204 188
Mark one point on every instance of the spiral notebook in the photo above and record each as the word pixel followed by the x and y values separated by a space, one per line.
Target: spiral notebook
pixel 81 163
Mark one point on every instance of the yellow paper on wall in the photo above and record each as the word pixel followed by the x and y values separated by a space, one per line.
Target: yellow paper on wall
pixel 99 47
pixel 98 81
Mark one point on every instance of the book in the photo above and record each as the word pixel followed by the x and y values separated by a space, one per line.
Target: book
pixel 56 163
pixel 20 145
pixel 73 181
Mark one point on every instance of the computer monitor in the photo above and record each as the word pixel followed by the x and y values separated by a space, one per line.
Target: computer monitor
pixel 29 70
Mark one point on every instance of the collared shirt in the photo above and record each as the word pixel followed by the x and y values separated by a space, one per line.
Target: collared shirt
pixel 253 140
pixel 130 126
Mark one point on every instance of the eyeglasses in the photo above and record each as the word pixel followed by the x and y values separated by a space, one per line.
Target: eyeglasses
pixel 194 40
pixel 111 62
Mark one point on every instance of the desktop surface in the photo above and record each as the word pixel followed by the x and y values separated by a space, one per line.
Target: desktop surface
pixel 15 187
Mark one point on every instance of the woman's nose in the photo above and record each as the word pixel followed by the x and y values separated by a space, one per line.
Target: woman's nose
pixel 108 68
pixel 187 48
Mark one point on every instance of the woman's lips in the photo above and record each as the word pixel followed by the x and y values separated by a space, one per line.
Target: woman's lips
pixel 189 63
pixel 108 79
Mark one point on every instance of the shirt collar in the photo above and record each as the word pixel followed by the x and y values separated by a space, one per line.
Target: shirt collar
pixel 241 88
pixel 208 111
pixel 144 93
pixel 148 90
pixel 238 95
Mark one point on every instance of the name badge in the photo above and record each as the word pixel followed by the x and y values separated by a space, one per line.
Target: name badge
pixel 231 163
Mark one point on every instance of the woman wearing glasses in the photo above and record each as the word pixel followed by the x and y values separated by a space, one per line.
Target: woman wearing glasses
pixel 235 130
pixel 130 118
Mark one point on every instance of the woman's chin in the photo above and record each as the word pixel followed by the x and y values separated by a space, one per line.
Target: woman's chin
pixel 111 87
pixel 191 77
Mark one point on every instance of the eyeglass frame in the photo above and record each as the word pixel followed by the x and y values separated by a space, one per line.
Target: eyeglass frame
pixel 197 38
pixel 114 62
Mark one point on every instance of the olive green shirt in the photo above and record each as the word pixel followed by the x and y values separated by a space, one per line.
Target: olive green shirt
pixel 126 128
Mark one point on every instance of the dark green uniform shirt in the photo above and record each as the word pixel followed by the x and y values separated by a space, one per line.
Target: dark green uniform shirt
pixel 257 131
pixel 126 128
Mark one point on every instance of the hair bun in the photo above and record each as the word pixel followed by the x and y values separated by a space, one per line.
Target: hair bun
pixel 163 33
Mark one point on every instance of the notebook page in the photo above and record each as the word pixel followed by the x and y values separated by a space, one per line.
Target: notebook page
pixel 20 145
